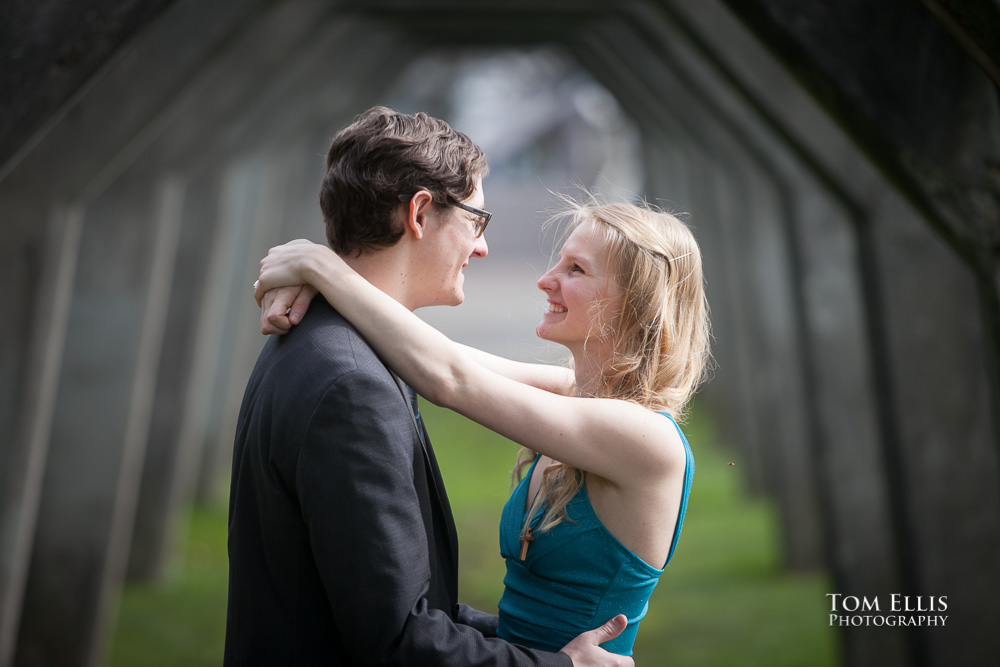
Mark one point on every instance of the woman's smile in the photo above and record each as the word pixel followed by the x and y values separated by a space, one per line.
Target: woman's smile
pixel 577 283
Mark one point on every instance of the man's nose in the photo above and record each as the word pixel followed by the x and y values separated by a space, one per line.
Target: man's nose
pixel 481 249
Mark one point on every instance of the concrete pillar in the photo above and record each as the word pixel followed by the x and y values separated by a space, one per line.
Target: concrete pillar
pixel 256 193
pixel 756 227
pixel 99 425
pixel 169 462
pixel 728 395
pixel 864 554
pixel 70 149
pixel 40 256
pixel 862 539
pixel 670 142
pixel 252 200
pixel 889 369
pixel 941 431
pixel 669 131
pixel 245 77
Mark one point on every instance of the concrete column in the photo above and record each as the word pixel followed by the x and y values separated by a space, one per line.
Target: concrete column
pixel 242 78
pixel 846 420
pixel 756 227
pixel 729 394
pixel 252 199
pixel 666 136
pixel 864 555
pixel 99 425
pixel 167 466
pixel 902 368
pixel 42 257
pixel 186 391
pixel 940 428
pixel 258 196
pixel 75 151
pixel 675 169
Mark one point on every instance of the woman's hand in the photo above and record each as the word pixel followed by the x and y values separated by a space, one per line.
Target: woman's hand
pixel 283 290
pixel 294 263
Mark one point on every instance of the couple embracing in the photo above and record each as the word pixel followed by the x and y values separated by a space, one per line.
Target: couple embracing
pixel 342 545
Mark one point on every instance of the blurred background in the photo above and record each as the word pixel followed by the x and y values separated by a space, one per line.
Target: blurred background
pixel 838 162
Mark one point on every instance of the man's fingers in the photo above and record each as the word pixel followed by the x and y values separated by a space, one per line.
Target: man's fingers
pixel 265 305
pixel 274 306
pixel 269 326
pixel 284 307
pixel 611 629
pixel 269 329
pixel 585 649
pixel 301 303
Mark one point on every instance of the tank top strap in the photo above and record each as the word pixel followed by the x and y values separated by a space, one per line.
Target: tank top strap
pixel 688 479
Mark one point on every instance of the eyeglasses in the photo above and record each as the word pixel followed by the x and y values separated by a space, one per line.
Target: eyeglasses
pixel 482 217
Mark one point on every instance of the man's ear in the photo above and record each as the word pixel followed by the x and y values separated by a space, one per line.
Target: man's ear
pixel 415 213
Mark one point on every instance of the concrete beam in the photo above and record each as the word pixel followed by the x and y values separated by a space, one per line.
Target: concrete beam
pixel 49 51
pixel 903 113
pixel 135 88
pixel 975 24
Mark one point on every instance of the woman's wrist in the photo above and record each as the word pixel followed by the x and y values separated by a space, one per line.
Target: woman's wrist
pixel 310 271
pixel 326 266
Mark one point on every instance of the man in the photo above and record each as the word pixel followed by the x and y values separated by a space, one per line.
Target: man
pixel 342 544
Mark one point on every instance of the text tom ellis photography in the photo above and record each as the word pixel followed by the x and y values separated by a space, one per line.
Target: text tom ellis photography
pixel 898 611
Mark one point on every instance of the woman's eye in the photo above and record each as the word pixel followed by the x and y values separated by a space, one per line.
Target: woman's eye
pixel 576 267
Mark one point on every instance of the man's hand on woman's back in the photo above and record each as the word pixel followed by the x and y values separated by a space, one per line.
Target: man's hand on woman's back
pixel 585 650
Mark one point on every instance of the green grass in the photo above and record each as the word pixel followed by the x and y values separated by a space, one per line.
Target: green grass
pixel 181 620
pixel 724 601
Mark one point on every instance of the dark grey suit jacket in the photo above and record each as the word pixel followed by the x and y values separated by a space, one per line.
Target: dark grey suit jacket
pixel 342 545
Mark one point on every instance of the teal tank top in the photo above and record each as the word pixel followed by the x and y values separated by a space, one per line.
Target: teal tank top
pixel 576 576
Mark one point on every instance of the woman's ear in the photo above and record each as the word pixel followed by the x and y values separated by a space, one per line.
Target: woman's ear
pixel 415 213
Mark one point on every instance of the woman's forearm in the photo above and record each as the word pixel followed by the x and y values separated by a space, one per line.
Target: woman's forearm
pixel 555 379
pixel 436 365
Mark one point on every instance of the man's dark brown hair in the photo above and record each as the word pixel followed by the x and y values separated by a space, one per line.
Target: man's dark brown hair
pixel 384 154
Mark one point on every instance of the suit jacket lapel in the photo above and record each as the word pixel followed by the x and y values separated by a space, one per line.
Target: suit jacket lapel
pixel 439 493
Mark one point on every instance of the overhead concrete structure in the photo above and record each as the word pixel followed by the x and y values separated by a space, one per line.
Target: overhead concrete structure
pixel 839 161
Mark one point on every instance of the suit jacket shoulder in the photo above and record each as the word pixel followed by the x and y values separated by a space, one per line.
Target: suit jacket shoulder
pixel 342 547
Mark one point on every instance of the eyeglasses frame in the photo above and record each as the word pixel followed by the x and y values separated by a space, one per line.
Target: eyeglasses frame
pixel 480 226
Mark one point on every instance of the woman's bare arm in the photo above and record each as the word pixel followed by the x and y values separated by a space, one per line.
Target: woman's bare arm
pixel 284 307
pixel 619 441
pixel 551 378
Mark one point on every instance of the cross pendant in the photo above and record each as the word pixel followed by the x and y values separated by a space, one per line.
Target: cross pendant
pixel 526 539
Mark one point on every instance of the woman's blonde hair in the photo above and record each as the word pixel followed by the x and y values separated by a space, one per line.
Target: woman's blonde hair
pixel 661 340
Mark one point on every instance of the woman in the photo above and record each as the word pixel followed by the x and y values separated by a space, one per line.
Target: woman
pixel 589 529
